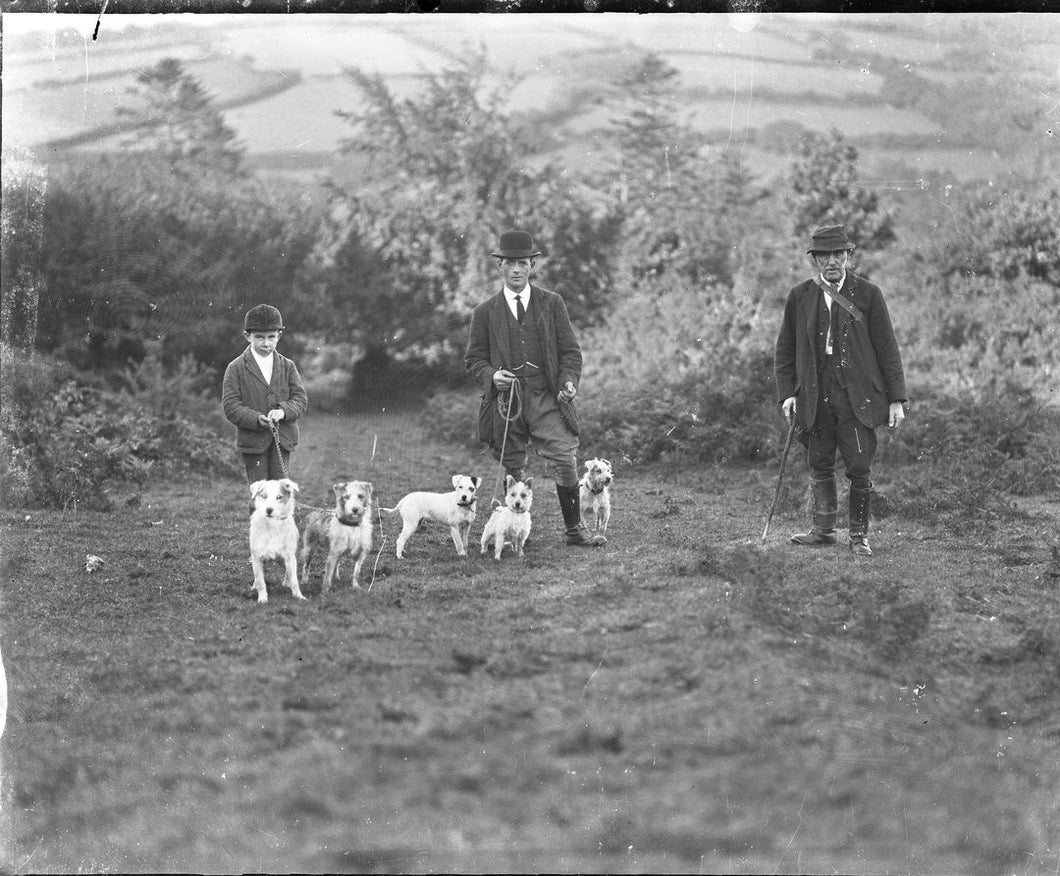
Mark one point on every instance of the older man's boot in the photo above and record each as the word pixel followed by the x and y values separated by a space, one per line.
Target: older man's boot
pixel 577 534
pixel 860 501
pixel 825 501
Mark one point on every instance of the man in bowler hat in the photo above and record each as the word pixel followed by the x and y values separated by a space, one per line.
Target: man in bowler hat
pixel 523 334
pixel 839 374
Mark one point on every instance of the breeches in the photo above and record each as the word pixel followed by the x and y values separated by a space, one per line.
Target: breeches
pixel 541 425
pixel 837 428
pixel 265 466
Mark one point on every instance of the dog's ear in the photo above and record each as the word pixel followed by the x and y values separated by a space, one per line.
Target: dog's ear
pixel 255 487
pixel 607 462
pixel 475 481
pixel 588 464
pixel 290 488
pixel 508 481
pixel 529 483
pixel 338 489
pixel 456 481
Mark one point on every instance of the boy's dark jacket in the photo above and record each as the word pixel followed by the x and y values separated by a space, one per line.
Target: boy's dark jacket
pixel 868 353
pixel 562 354
pixel 245 395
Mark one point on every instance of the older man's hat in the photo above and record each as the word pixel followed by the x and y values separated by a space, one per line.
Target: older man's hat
pixel 829 238
pixel 516 245
pixel 263 318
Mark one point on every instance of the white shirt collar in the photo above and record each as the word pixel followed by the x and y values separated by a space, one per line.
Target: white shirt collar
pixel 512 295
pixel 842 280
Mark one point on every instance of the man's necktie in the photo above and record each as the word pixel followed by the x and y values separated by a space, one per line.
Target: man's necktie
pixel 834 318
pixel 520 311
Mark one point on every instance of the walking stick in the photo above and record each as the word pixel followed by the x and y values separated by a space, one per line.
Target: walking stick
pixel 780 477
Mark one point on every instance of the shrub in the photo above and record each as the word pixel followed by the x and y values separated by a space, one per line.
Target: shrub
pixel 66 439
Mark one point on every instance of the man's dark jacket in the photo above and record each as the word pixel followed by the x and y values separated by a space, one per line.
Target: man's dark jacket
pixel 488 351
pixel 869 360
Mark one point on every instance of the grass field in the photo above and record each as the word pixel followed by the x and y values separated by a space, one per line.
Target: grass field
pixel 683 700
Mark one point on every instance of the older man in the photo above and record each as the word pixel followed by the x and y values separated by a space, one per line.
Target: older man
pixel 523 335
pixel 839 374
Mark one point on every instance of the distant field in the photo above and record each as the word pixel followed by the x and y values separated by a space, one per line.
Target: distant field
pixel 728 79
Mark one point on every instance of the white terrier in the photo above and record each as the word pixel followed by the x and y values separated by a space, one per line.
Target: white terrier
pixel 595 491
pixel 345 529
pixel 509 525
pixel 456 509
pixel 273 532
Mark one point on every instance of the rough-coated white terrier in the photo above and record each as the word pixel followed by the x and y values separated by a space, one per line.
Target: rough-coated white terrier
pixel 594 490
pixel 509 525
pixel 273 532
pixel 456 509
pixel 344 530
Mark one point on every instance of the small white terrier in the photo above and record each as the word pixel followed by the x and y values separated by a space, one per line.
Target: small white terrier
pixel 509 525
pixel 273 532
pixel 595 491
pixel 456 509
pixel 345 529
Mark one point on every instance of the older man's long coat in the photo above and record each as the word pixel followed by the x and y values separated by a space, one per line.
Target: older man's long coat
pixel 488 351
pixel 869 359
pixel 245 395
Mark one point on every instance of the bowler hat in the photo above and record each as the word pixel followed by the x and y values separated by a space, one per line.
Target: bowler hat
pixel 516 245
pixel 829 238
pixel 263 318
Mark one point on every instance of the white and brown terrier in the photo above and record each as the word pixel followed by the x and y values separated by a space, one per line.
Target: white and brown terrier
pixel 273 532
pixel 509 525
pixel 345 530
pixel 456 509
pixel 594 490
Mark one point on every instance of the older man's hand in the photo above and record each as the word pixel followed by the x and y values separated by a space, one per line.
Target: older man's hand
pixel 568 392
pixel 788 407
pixel 895 415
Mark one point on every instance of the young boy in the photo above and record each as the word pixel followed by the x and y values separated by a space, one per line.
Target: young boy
pixel 262 389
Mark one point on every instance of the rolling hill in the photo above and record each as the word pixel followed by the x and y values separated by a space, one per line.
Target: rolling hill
pixel 279 79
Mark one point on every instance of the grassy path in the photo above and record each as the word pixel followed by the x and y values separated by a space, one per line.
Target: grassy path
pixel 682 701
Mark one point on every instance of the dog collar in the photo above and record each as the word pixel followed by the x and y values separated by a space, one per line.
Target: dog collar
pixel 345 521
pixel 597 492
pixel 470 504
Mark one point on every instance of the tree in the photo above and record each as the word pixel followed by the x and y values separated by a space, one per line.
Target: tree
pixel 824 191
pixel 449 170
pixel 684 212
pixel 133 252
pixel 177 119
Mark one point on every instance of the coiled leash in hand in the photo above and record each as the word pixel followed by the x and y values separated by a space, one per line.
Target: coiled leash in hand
pixel 509 413
pixel 276 440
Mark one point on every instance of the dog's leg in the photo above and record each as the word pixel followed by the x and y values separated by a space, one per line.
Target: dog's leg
pixel 290 576
pixel 259 578
pixel 456 531
pixel 410 525
pixel 355 582
pixel 331 568
pixel 305 554
pixel 485 541
pixel 498 545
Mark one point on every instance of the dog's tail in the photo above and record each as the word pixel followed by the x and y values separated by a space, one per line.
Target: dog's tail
pixel 389 510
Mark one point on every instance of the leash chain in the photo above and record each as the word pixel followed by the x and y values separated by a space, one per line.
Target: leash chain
pixel 276 440
pixel 515 402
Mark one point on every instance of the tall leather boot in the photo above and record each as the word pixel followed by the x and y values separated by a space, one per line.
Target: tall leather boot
pixel 577 534
pixel 860 500
pixel 825 504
